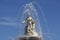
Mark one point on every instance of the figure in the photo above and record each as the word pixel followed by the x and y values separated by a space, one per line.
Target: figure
pixel 30 27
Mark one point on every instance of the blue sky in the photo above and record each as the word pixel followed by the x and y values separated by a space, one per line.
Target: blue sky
pixel 9 20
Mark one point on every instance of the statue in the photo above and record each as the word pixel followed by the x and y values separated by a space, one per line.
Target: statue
pixel 30 27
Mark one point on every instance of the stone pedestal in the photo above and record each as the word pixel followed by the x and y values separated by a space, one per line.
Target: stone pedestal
pixel 30 38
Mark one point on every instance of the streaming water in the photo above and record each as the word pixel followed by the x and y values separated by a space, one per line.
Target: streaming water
pixel 39 18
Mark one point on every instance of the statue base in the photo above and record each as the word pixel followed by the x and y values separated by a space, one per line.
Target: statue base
pixel 30 38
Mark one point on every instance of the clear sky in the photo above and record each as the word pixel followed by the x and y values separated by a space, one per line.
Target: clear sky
pixel 9 20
